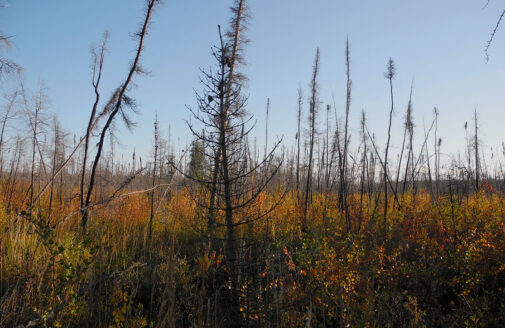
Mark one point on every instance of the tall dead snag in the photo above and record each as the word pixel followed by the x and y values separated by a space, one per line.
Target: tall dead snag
pixel 405 131
pixel 14 168
pixel 409 130
pixel 476 152
pixel 435 165
pixel 438 145
pixel 152 213
pixel 98 58
pixel 326 150
pixel 390 75
pixel 34 153
pixel 234 183
pixel 335 154
pixel 34 112
pixel 343 167
pixel 298 138
pixel 57 139
pixel 120 102
pixel 468 169
pixel 313 109
pixel 427 153
pixel 7 115
pixel 364 164
pixel 153 184
pixel 266 126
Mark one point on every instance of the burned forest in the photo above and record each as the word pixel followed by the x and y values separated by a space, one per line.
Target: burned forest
pixel 252 210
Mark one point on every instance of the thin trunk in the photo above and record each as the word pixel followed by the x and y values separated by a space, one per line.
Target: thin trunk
pixel 430 180
pixel 437 192
pixel 34 145
pixel 327 149
pixel 390 74
pixel 476 150
pixel 298 137
pixel 410 154
pixel 117 107
pixel 6 117
pixel 363 165
pixel 16 160
pixel 405 132
pixel 343 173
pixel 266 127
pixel 151 215
pixel 92 121
pixel 312 117
pixel 55 152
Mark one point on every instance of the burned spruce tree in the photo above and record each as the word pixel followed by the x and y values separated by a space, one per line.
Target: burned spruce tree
pixel 233 182
pixel 119 103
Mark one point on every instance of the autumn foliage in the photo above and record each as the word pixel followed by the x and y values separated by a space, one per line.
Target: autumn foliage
pixel 434 264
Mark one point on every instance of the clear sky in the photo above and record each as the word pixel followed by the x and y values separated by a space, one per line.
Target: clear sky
pixel 437 44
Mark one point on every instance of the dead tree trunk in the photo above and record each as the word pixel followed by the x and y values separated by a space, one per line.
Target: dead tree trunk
pixel 120 100
pixel 97 76
pixel 153 184
pixel 314 103
pixel 343 172
pixel 298 138
pixel 390 75
pixel 476 151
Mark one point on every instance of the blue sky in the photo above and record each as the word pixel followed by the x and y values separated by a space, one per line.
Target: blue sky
pixel 437 44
